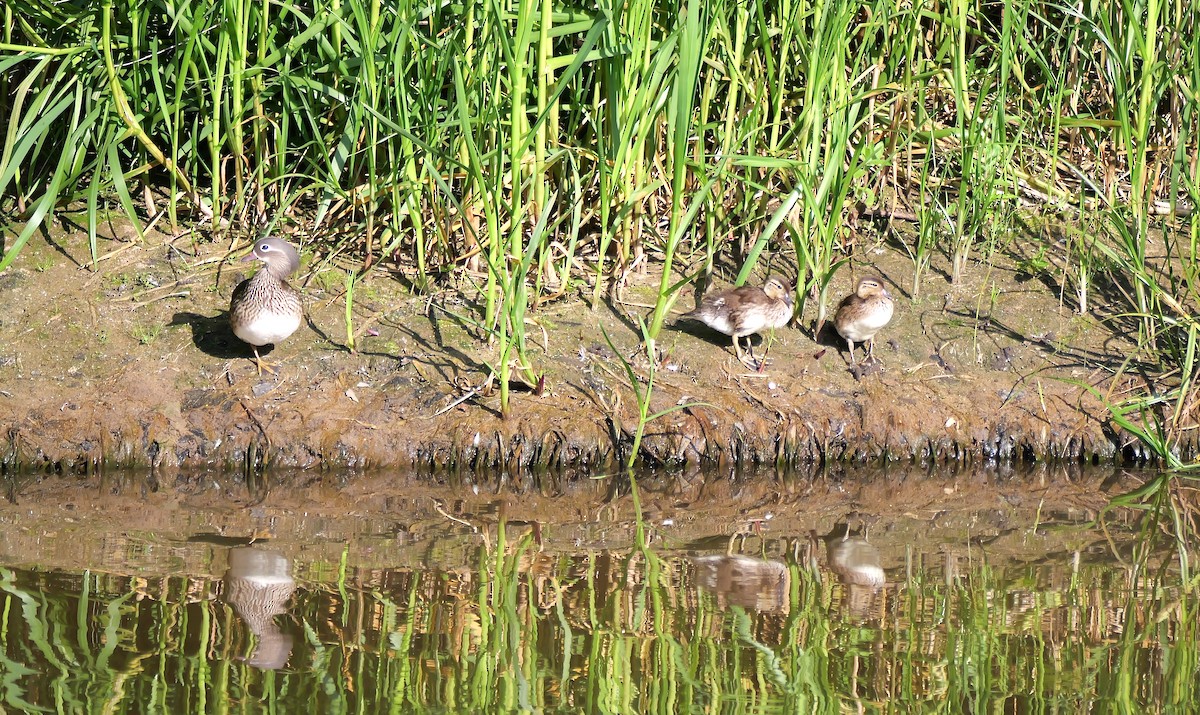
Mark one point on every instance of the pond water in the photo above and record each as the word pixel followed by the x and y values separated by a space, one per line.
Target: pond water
pixel 883 591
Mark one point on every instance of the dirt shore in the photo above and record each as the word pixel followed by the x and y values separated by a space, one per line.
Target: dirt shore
pixel 134 365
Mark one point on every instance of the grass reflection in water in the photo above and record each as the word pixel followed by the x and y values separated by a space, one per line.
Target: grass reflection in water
pixel 861 620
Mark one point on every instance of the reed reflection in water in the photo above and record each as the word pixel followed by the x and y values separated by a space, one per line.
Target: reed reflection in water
pixel 479 616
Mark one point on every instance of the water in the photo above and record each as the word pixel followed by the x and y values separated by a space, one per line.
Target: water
pixel 916 593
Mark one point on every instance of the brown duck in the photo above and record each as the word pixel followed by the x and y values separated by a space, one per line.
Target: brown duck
pixel 264 309
pixel 744 311
pixel 863 313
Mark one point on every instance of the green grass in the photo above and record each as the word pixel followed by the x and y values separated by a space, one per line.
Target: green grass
pixel 146 334
pixel 531 149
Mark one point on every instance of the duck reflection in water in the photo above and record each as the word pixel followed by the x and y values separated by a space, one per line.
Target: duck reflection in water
pixel 858 565
pixel 258 584
pixel 742 581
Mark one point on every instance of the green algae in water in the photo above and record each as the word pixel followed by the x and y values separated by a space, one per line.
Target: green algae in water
pixel 489 616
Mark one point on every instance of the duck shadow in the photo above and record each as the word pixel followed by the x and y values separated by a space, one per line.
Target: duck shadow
pixel 828 337
pixel 755 345
pixel 703 332
pixel 699 330
pixel 829 340
pixel 213 336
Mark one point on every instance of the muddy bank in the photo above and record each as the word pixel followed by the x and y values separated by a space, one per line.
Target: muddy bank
pixel 134 365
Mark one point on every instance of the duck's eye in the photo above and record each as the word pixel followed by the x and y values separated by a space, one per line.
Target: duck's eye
pixel 264 247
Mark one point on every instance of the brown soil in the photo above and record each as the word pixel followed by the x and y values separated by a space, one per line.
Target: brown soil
pixel 134 364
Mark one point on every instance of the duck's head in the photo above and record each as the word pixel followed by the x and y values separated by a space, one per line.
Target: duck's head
pixel 281 258
pixel 776 290
pixel 870 286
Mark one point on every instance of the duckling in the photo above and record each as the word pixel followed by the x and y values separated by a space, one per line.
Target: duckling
pixel 264 309
pixel 745 310
pixel 862 313
pixel 859 566
pixel 855 560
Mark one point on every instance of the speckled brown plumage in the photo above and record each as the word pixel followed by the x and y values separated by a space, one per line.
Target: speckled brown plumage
pixel 744 311
pixel 264 309
pixel 862 314
pixel 258 584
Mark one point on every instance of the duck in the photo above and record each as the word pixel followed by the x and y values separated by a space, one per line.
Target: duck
pixel 863 313
pixel 264 309
pixel 258 584
pixel 859 566
pixel 744 311
pixel 855 560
